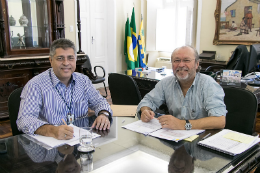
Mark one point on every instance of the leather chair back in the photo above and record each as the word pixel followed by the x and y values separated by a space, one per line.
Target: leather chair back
pixel 242 108
pixel 123 89
pixel 239 60
pixel 13 108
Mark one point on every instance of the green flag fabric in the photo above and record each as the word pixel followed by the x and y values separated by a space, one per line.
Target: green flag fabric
pixel 134 38
pixel 128 47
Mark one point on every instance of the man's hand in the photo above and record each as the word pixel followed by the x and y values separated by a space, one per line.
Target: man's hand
pixel 171 122
pixel 102 122
pixel 147 115
pixel 62 132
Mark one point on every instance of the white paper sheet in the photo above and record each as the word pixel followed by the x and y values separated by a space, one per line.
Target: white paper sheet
pixel 144 128
pixel 175 135
pixel 154 128
pixel 52 142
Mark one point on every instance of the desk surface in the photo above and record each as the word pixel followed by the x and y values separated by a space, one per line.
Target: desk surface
pixel 120 151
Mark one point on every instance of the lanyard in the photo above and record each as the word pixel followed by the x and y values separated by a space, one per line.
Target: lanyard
pixel 72 86
pixel 68 106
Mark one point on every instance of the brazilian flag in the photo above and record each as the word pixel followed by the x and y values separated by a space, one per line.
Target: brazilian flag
pixel 128 48
pixel 134 38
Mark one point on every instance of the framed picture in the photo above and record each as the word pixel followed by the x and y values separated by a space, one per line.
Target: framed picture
pixel 237 22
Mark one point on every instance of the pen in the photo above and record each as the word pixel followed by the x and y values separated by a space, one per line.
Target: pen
pixel 206 136
pixel 65 123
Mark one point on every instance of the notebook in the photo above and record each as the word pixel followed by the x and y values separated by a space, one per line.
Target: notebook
pixel 230 142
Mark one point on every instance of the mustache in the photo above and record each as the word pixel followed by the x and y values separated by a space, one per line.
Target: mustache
pixel 182 68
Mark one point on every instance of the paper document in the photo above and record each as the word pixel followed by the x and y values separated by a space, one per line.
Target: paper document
pixel 175 135
pixel 52 142
pixel 191 138
pixel 154 128
pixel 226 141
pixel 144 128
pixel 123 110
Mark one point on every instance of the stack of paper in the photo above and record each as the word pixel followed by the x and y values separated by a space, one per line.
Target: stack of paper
pixel 154 128
pixel 52 142
pixel 230 142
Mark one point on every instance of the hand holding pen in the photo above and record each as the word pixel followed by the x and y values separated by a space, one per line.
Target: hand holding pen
pixel 68 131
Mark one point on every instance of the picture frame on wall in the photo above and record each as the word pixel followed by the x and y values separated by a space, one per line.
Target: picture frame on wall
pixel 237 22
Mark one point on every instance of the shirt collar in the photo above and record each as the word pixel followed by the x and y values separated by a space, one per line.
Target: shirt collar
pixel 56 81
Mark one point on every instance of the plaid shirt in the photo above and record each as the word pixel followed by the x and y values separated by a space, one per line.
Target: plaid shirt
pixel 42 104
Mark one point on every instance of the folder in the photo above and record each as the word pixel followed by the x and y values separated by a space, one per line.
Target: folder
pixel 124 110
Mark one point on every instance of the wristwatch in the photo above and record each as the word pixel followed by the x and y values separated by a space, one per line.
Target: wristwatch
pixel 188 125
pixel 105 113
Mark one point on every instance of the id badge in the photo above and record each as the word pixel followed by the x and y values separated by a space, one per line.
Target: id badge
pixel 71 118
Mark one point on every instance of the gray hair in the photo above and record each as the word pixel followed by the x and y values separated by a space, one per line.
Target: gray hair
pixel 195 53
pixel 62 43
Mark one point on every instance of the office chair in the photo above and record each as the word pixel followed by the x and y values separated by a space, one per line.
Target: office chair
pixel 242 108
pixel 95 79
pixel 238 61
pixel 13 108
pixel 123 89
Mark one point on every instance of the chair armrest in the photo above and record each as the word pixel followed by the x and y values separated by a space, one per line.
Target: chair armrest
pixel 216 75
pixel 255 134
pixel 104 72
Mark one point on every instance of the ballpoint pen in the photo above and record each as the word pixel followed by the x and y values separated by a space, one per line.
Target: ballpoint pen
pixel 206 136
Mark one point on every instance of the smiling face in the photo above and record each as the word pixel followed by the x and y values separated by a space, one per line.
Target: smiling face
pixel 184 64
pixel 64 64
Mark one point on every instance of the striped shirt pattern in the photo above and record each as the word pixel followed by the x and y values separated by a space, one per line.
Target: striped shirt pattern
pixel 37 153
pixel 41 103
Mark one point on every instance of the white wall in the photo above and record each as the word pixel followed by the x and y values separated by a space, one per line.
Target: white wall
pixel 112 30
pixel 70 19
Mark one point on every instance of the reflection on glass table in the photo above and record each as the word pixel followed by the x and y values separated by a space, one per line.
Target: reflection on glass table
pixel 118 150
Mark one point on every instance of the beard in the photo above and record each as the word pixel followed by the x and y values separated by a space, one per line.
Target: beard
pixel 182 70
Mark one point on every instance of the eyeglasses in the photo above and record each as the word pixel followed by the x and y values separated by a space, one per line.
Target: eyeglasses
pixel 62 58
pixel 185 61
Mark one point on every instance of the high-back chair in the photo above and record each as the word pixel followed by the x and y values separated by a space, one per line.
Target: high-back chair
pixel 13 108
pixel 123 89
pixel 242 107
pixel 95 79
pixel 238 61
